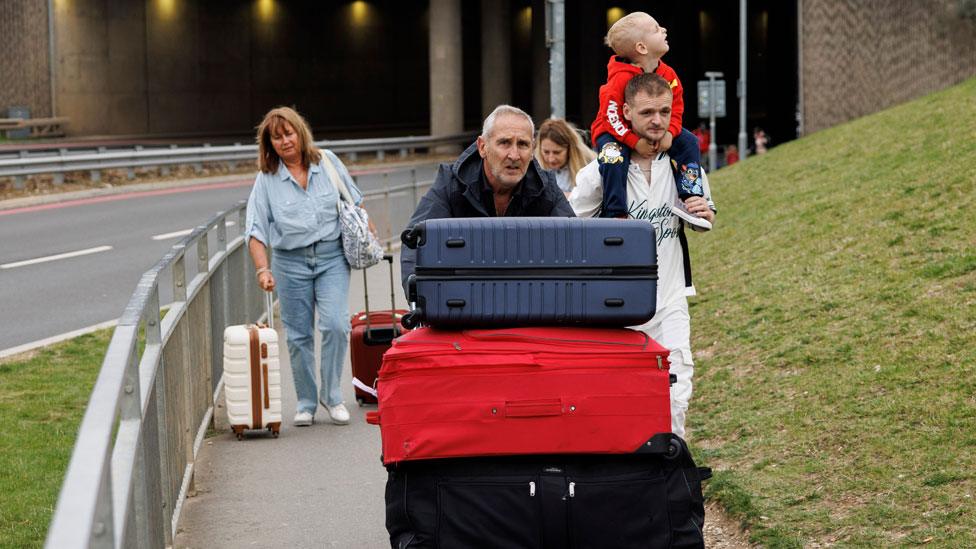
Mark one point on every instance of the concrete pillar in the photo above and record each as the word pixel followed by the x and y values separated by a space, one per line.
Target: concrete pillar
pixel 496 48
pixel 556 17
pixel 446 86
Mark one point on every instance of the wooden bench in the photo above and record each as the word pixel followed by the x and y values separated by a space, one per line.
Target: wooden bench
pixel 39 127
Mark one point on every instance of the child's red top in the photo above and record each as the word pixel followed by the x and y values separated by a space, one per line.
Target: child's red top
pixel 610 118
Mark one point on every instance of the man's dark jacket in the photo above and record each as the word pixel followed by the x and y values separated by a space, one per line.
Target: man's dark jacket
pixel 457 192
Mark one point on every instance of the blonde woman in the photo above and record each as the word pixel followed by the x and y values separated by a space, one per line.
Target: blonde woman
pixel 292 209
pixel 560 149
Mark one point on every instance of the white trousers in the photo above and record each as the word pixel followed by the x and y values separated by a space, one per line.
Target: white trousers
pixel 671 327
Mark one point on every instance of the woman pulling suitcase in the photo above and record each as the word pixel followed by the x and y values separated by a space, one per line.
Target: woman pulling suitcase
pixel 293 209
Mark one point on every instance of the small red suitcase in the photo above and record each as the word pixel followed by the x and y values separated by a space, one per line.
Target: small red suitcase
pixel 521 391
pixel 372 333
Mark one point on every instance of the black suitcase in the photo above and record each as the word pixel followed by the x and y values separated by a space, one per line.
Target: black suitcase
pixel 532 271
pixel 647 500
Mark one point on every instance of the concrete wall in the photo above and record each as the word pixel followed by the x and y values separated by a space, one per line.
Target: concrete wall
pixel 100 65
pixel 24 68
pixel 183 66
pixel 861 56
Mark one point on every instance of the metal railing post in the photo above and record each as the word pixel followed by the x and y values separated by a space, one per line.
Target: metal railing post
pixel 154 340
pixel 219 321
pixel 102 532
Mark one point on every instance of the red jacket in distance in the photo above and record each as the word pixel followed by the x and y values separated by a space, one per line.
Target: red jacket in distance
pixel 610 119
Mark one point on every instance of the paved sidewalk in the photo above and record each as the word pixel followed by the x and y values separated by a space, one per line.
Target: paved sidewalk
pixel 318 486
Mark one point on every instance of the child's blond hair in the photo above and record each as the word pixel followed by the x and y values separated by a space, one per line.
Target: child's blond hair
pixel 624 34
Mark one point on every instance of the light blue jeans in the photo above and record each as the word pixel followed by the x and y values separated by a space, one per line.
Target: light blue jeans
pixel 309 280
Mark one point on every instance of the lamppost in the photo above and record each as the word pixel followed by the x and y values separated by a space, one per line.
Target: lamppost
pixel 741 87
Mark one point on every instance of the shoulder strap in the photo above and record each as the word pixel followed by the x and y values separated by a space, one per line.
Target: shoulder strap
pixel 340 185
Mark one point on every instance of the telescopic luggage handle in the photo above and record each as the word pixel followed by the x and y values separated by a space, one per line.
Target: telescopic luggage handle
pixel 269 308
pixel 389 259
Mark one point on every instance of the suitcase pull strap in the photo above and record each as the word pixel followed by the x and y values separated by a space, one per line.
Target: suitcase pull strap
pixel 255 348
pixel 534 408
pixel 267 397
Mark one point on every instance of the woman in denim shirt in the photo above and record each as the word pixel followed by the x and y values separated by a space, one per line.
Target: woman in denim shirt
pixel 292 208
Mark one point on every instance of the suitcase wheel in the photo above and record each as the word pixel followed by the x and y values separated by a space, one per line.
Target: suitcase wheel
pixel 409 237
pixel 674 449
pixel 411 320
pixel 240 436
pixel 360 402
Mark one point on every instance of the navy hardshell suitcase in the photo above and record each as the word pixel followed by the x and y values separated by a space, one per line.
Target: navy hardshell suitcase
pixel 532 271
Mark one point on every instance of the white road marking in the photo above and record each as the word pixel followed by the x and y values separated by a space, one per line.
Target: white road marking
pixel 177 234
pixel 174 234
pixel 55 257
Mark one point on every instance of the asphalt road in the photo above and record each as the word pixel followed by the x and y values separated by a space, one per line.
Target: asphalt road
pixel 41 300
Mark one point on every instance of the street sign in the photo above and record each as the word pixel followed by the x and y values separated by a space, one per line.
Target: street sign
pixel 705 98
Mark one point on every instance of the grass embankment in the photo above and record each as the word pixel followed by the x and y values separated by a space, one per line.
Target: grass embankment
pixel 42 400
pixel 836 333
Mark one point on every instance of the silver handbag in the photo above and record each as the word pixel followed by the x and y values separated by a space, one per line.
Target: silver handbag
pixel 359 244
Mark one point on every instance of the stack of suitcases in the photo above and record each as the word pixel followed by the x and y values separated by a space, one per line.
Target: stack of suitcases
pixel 522 413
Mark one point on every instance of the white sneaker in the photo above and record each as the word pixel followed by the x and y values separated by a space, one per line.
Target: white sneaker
pixel 303 419
pixel 338 413
pixel 679 209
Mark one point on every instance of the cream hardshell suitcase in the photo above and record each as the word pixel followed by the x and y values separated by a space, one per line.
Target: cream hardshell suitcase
pixel 252 376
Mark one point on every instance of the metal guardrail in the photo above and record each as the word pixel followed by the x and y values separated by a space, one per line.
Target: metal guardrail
pixel 48 162
pixel 153 400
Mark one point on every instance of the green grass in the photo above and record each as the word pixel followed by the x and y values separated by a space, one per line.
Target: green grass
pixel 835 333
pixel 42 400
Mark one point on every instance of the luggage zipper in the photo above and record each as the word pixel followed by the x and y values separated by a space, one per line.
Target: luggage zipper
pixel 531 489
pixel 557 340
pixel 479 335
pixel 572 489
pixel 533 273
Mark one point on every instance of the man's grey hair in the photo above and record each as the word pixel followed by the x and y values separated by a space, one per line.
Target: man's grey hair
pixel 489 125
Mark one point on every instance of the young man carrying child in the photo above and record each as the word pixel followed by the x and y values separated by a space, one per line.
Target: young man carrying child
pixel 639 43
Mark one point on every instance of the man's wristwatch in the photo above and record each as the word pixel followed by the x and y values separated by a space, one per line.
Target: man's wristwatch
pixel 262 270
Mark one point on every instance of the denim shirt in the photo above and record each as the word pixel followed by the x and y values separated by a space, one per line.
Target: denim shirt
pixel 283 215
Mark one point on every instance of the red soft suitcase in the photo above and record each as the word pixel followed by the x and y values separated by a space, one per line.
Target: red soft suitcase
pixel 521 391
pixel 372 333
